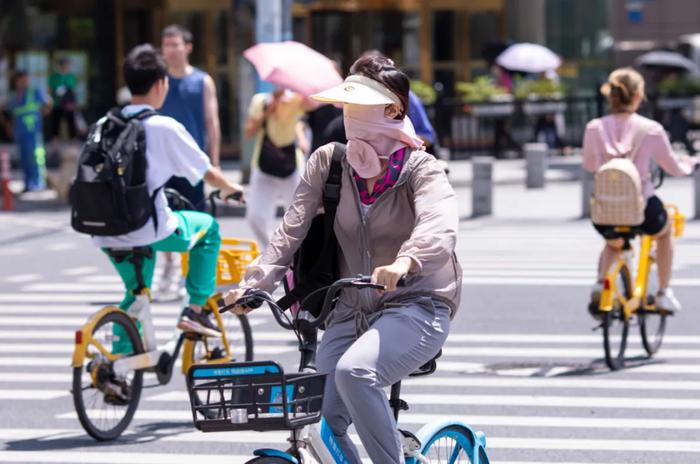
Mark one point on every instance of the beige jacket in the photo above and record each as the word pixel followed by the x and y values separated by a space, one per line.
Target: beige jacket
pixel 416 218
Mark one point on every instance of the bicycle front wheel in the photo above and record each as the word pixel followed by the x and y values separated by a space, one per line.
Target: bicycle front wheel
pixel 212 350
pixel 105 400
pixel 616 324
pixel 652 322
pixel 454 444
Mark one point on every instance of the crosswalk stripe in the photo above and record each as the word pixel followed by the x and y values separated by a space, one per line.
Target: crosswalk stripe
pixel 544 401
pixel 53 298
pixel 67 287
pixel 555 282
pixel 69 348
pixel 553 338
pixel 434 382
pixel 77 322
pixel 79 271
pixel 672 446
pixel 651 368
pixel 477 421
pixel 69 335
pixel 530 273
pixel 513 400
pixel 453 338
pixel 24 361
pixel 559 352
pixel 553 382
pixel 43 377
pixel 24 394
pixel 20 278
pixel 549 401
pixel 106 457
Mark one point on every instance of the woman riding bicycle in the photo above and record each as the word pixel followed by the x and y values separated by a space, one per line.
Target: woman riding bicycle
pixel 617 135
pixel 397 217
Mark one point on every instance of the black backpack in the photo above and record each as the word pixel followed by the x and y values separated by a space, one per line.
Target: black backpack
pixel 109 195
pixel 316 263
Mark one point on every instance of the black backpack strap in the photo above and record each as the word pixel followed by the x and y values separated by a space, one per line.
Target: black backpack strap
pixel 331 199
pixel 331 191
pixel 143 114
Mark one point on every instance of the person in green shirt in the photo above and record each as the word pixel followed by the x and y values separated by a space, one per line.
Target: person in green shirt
pixel 62 84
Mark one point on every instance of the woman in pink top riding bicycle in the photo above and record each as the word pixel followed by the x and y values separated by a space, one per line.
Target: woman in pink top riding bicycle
pixel 612 136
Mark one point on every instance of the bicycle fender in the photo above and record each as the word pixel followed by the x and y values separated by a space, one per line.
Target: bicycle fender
pixel 86 334
pixel 273 453
pixel 428 430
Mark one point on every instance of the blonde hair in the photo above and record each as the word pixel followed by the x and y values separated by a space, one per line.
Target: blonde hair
pixel 623 85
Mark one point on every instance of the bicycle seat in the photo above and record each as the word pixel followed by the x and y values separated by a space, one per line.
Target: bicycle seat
pixel 427 368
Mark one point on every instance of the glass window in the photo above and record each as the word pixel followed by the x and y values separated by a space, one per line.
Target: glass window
pixel 443 36
pixel 484 28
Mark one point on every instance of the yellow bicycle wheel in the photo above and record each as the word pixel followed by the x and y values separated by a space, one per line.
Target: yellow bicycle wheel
pixel 615 323
pixel 105 400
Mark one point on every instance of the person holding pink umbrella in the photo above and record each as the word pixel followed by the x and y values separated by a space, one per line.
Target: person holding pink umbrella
pixel 274 120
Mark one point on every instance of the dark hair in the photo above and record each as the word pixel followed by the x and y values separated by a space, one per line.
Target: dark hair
pixel 378 67
pixel 176 30
pixel 143 67
pixel 19 74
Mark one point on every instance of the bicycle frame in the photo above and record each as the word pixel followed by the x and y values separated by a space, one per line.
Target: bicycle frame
pixel 638 301
pixel 151 357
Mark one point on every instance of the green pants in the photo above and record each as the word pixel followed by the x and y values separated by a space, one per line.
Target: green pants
pixel 197 233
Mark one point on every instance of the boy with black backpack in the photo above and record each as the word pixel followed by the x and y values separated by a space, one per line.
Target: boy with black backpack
pixel 118 197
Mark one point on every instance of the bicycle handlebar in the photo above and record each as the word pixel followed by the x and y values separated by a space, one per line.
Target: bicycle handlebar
pixel 255 298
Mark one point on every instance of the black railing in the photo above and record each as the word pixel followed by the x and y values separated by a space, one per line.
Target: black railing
pixel 501 128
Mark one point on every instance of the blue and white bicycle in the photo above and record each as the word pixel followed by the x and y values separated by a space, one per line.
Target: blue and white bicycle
pixel 259 396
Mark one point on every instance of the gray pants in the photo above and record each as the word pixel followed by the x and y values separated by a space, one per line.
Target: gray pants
pixel 399 340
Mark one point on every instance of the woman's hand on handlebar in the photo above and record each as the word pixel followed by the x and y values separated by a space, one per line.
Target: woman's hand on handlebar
pixel 390 275
pixel 233 296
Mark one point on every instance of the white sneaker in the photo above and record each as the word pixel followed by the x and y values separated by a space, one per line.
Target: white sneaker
pixel 667 301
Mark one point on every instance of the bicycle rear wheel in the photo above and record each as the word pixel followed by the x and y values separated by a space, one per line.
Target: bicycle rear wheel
pixel 454 444
pixel 652 323
pixel 616 324
pixel 104 400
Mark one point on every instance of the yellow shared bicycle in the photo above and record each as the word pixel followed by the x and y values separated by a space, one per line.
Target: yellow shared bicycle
pixel 114 348
pixel 627 293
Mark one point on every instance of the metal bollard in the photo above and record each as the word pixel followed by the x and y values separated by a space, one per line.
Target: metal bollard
pixel 7 200
pixel 586 192
pixel 536 158
pixel 696 183
pixel 482 186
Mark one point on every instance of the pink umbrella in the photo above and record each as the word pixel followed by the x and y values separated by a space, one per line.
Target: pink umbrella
pixel 293 65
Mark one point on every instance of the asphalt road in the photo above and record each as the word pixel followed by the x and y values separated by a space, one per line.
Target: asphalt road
pixel 522 362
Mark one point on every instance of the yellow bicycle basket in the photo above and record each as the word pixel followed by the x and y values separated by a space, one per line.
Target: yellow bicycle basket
pixel 234 256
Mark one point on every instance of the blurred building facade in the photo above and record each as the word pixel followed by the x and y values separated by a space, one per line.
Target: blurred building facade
pixel 436 41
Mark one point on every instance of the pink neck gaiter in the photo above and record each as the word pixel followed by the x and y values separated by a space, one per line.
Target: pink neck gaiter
pixel 371 136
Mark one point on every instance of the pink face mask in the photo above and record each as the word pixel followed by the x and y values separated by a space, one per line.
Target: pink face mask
pixel 373 136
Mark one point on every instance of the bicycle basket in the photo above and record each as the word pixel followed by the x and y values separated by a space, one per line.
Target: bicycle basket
pixel 253 396
pixel 234 256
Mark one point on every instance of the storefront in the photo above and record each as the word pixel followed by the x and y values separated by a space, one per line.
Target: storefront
pixel 434 41
pixel 95 36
